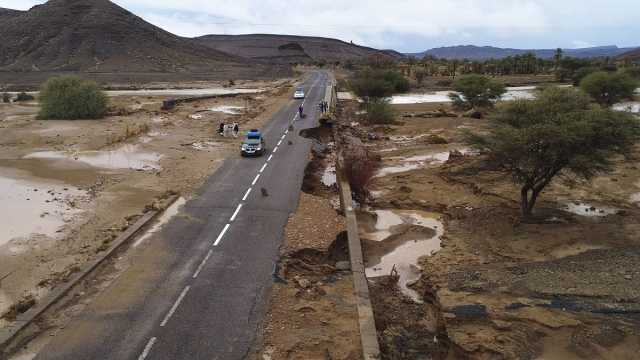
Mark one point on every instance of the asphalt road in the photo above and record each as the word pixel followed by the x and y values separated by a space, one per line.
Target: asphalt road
pixel 198 289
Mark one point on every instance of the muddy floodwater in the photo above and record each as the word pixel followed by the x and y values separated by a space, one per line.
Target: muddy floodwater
pixel 402 237
pixel 228 109
pixel 33 206
pixel 404 164
pixel 586 209
pixel 125 157
pixel 168 214
pixel 513 93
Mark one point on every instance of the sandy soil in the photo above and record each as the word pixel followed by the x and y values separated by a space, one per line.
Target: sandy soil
pixel 73 186
pixel 563 287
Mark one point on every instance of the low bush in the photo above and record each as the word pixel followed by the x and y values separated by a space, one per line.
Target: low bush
pixel 71 98
pixel 380 112
pixel 609 88
pixel 23 96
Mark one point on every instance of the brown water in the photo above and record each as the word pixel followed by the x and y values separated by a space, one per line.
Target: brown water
pixel 590 210
pixel 403 255
pixel 125 157
pixel 33 206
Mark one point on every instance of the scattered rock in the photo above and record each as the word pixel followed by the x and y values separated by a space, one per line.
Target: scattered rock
pixel 343 265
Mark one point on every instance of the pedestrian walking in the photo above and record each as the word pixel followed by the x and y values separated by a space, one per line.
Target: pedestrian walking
pixel 236 129
pixel 221 129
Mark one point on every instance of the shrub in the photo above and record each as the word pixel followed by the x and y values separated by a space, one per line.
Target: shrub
pixel 444 83
pixel 583 73
pixel 420 75
pixel 6 98
pixel 633 72
pixel 377 83
pixel 360 168
pixel 476 91
pixel 379 111
pixel 23 96
pixel 70 98
pixel 609 88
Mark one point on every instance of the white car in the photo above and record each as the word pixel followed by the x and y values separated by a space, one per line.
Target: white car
pixel 299 94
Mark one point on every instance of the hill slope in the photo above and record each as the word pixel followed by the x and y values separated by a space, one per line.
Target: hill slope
pixel 289 48
pixel 472 52
pixel 633 55
pixel 99 36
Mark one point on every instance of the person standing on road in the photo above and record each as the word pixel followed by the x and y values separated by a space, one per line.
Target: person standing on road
pixel 221 129
pixel 301 111
pixel 236 129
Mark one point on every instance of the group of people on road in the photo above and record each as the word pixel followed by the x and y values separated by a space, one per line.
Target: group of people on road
pixel 324 107
pixel 229 129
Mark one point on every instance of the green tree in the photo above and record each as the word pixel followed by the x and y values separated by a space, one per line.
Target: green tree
pixel 71 98
pixel 476 91
pixel 609 88
pixel 558 133
pixel 375 83
pixel 379 111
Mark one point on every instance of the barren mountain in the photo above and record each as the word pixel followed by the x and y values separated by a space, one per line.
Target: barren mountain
pixel 290 49
pixel 100 36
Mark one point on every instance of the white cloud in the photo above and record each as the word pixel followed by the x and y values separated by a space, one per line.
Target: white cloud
pixel 382 22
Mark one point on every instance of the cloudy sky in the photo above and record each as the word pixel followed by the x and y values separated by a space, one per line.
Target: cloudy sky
pixel 404 25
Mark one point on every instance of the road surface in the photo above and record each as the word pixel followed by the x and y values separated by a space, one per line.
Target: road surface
pixel 198 289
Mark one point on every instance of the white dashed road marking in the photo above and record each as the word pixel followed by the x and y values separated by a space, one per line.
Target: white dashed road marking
pixel 246 195
pixel 224 231
pixel 235 214
pixel 202 264
pixel 147 349
pixel 263 167
pixel 255 181
pixel 175 306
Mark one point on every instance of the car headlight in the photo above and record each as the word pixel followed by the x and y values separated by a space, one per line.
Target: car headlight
pixel 244 146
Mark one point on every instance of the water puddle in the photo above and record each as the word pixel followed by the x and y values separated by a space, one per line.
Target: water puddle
pixel 417 162
pixel 585 209
pixel 166 216
pixel 126 157
pixel 228 109
pixel 513 93
pixel 631 106
pixel 32 207
pixel 403 237
pixel 329 177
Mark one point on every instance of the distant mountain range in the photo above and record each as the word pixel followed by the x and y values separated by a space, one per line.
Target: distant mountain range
pixel 472 52
pixel 290 48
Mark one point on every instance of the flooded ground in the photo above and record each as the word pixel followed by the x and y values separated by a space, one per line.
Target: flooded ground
pixel 172 92
pixel 630 106
pixel 513 93
pixel 400 238
pixel 127 156
pixel 34 207
pixel 228 109
pixel 586 209
pixel 409 163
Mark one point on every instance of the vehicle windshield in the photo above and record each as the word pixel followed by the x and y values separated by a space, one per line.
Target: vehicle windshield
pixel 250 141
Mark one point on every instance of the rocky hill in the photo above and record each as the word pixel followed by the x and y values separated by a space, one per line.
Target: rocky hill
pixel 290 49
pixel 472 52
pixel 100 36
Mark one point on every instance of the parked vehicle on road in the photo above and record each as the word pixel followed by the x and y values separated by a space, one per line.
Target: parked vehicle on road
pixel 299 94
pixel 253 144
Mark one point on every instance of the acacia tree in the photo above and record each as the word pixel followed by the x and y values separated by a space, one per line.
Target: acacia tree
pixel 558 133
pixel 476 91
pixel 609 88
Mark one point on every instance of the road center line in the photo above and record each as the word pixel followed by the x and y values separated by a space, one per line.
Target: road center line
pixel 275 149
pixel 175 306
pixel 235 214
pixel 246 195
pixel 255 181
pixel 279 142
pixel 270 157
pixel 283 137
pixel 147 349
pixel 264 167
pixel 202 264
pixel 286 131
pixel 224 231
